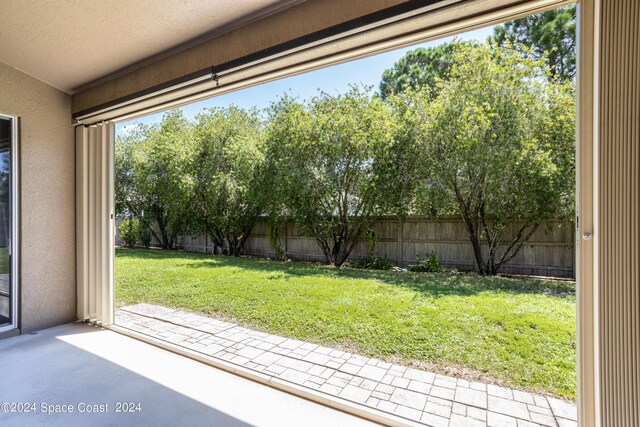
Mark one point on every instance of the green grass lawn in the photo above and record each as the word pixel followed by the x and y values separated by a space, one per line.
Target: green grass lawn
pixel 4 261
pixel 516 332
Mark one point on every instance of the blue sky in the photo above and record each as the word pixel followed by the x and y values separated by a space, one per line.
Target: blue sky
pixel 335 79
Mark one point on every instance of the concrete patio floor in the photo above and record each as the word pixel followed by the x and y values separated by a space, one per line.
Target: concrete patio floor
pixel 82 365
pixel 401 393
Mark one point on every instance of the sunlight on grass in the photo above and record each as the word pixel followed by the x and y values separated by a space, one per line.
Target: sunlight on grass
pixel 521 332
pixel 4 261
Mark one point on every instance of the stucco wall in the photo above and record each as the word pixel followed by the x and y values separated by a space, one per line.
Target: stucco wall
pixel 47 191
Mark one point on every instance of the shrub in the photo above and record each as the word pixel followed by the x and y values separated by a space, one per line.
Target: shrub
pixel 372 240
pixel 428 265
pixel 273 235
pixel 373 262
pixel 129 231
pixel 337 166
pixel 144 235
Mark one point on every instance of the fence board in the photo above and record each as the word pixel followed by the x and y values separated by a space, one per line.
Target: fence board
pixel 549 252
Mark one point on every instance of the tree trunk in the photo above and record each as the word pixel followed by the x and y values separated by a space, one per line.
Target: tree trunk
pixel 217 239
pixel 477 252
pixel 340 255
pixel 234 245
pixel 345 251
pixel 475 244
pixel 243 239
pixel 326 250
pixel 164 239
pixel 342 243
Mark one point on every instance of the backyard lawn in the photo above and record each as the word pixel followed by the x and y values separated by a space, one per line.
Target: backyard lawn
pixel 4 260
pixel 516 332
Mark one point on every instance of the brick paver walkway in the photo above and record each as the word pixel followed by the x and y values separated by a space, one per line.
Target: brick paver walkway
pixel 418 396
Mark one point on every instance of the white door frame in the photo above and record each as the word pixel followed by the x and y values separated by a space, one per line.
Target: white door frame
pixel 14 273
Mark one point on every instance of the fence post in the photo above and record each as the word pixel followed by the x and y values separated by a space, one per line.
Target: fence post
pixel 286 240
pixel 400 244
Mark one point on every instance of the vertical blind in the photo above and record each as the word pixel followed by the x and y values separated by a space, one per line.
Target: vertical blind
pixel 619 208
pixel 95 222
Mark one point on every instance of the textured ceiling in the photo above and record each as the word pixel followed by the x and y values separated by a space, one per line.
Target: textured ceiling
pixel 69 43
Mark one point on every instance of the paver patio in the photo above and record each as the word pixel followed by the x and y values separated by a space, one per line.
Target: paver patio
pixel 417 396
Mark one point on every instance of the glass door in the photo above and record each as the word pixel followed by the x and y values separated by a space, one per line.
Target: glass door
pixel 8 297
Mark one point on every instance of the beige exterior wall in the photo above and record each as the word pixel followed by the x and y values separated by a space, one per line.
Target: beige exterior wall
pixel 47 198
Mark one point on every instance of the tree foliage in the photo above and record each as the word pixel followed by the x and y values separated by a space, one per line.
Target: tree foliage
pixel 129 231
pixel 482 131
pixel 418 68
pixel 127 199
pixel 227 168
pixel 550 35
pixel 335 160
pixel 152 180
pixel 498 140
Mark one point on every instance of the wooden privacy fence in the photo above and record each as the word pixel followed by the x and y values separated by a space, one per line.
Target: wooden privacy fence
pixel 549 252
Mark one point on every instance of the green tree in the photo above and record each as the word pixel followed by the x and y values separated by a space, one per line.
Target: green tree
pixel 498 141
pixel 550 35
pixel 129 202
pixel 151 175
pixel 227 168
pixel 417 68
pixel 335 162
pixel 144 235
pixel 129 231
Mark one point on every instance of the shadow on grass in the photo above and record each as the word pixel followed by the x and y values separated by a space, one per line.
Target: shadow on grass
pixel 434 284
